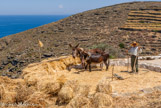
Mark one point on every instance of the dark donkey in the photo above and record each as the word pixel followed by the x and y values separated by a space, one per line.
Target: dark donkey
pixel 79 52
pixel 96 58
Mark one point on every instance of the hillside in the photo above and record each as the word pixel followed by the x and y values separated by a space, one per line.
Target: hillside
pixel 89 28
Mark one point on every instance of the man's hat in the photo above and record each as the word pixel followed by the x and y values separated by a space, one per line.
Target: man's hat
pixel 134 44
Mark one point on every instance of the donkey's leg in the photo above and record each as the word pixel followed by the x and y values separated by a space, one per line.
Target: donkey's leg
pixel 107 65
pixel 83 63
pixel 105 62
pixel 90 67
pixel 86 65
pixel 101 66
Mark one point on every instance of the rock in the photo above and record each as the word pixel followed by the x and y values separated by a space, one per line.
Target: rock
pixel 5 62
pixel 14 76
pixel 157 69
pixel 150 58
pixel 118 77
pixel 47 55
pixel 14 62
pixel 56 45
pixel 147 90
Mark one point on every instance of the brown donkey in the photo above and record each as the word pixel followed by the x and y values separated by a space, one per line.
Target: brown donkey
pixel 96 58
pixel 80 52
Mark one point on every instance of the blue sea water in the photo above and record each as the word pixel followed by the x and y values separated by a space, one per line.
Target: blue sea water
pixel 11 24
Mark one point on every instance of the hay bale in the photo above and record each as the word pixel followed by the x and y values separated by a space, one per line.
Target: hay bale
pixel 72 84
pixel 32 78
pixel 50 85
pixel 6 96
pixel 9 97
pixel 82 90
pixel 67 92
pixel 44 81
pixel 52 88
pixel 38 100
pixel 104 86
pixel 2 90
pixel 58 65
pixel 23 92
pixel 65 95
pixel 79 102
pixel 101 100
pixel 63 62
pixel 49 69
pixel 61 80
pixel 70 60
pixel 7 89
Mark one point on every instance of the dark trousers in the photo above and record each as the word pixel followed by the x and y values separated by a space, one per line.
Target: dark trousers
pixel 134 59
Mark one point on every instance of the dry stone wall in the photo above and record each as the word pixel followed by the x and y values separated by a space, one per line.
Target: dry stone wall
pixel 153 66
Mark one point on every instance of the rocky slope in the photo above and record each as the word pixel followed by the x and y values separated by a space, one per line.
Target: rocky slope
pixel 88 28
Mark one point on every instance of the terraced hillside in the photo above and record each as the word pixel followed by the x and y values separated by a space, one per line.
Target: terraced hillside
pixel 93 27
pixel 144 19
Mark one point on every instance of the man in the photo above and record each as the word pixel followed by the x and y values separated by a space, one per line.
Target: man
pixel 134 52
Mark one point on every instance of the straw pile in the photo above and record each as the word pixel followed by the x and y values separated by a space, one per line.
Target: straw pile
pixel 104 86
pixel 67 92
pixel 79 102
pixel 82 90
pixel 23 93
pixel 7 96
pixel 70 90
pixel 49 84
pixel 101 100
pixel 7 89
pixel 38 100
pixel 64 62
pixel 36 72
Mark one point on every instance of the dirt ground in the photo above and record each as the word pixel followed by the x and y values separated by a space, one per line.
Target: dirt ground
pixel 130 84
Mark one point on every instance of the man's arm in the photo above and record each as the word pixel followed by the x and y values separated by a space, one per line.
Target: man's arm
pixel 140 50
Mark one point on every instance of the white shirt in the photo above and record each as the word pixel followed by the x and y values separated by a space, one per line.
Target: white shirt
pixel 135 51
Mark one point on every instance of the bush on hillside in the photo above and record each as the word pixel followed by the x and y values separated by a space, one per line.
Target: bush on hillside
pixel 113 51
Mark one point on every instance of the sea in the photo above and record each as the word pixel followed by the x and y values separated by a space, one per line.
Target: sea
pixel 12 24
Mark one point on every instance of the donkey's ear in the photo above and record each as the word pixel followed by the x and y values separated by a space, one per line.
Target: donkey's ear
pixel 76 45
pixel 70 45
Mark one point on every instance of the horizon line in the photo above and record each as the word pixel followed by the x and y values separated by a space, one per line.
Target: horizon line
pixel 34 14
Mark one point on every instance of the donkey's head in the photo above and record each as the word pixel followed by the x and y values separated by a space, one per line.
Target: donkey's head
pixel 75 50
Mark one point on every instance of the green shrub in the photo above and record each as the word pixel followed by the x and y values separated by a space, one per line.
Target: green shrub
pixel 142 21
pixel 121 45
pixel 112 57
pixel 113 51
pixel 101 46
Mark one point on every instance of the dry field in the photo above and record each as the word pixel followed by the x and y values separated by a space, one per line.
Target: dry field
pixel 50 84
